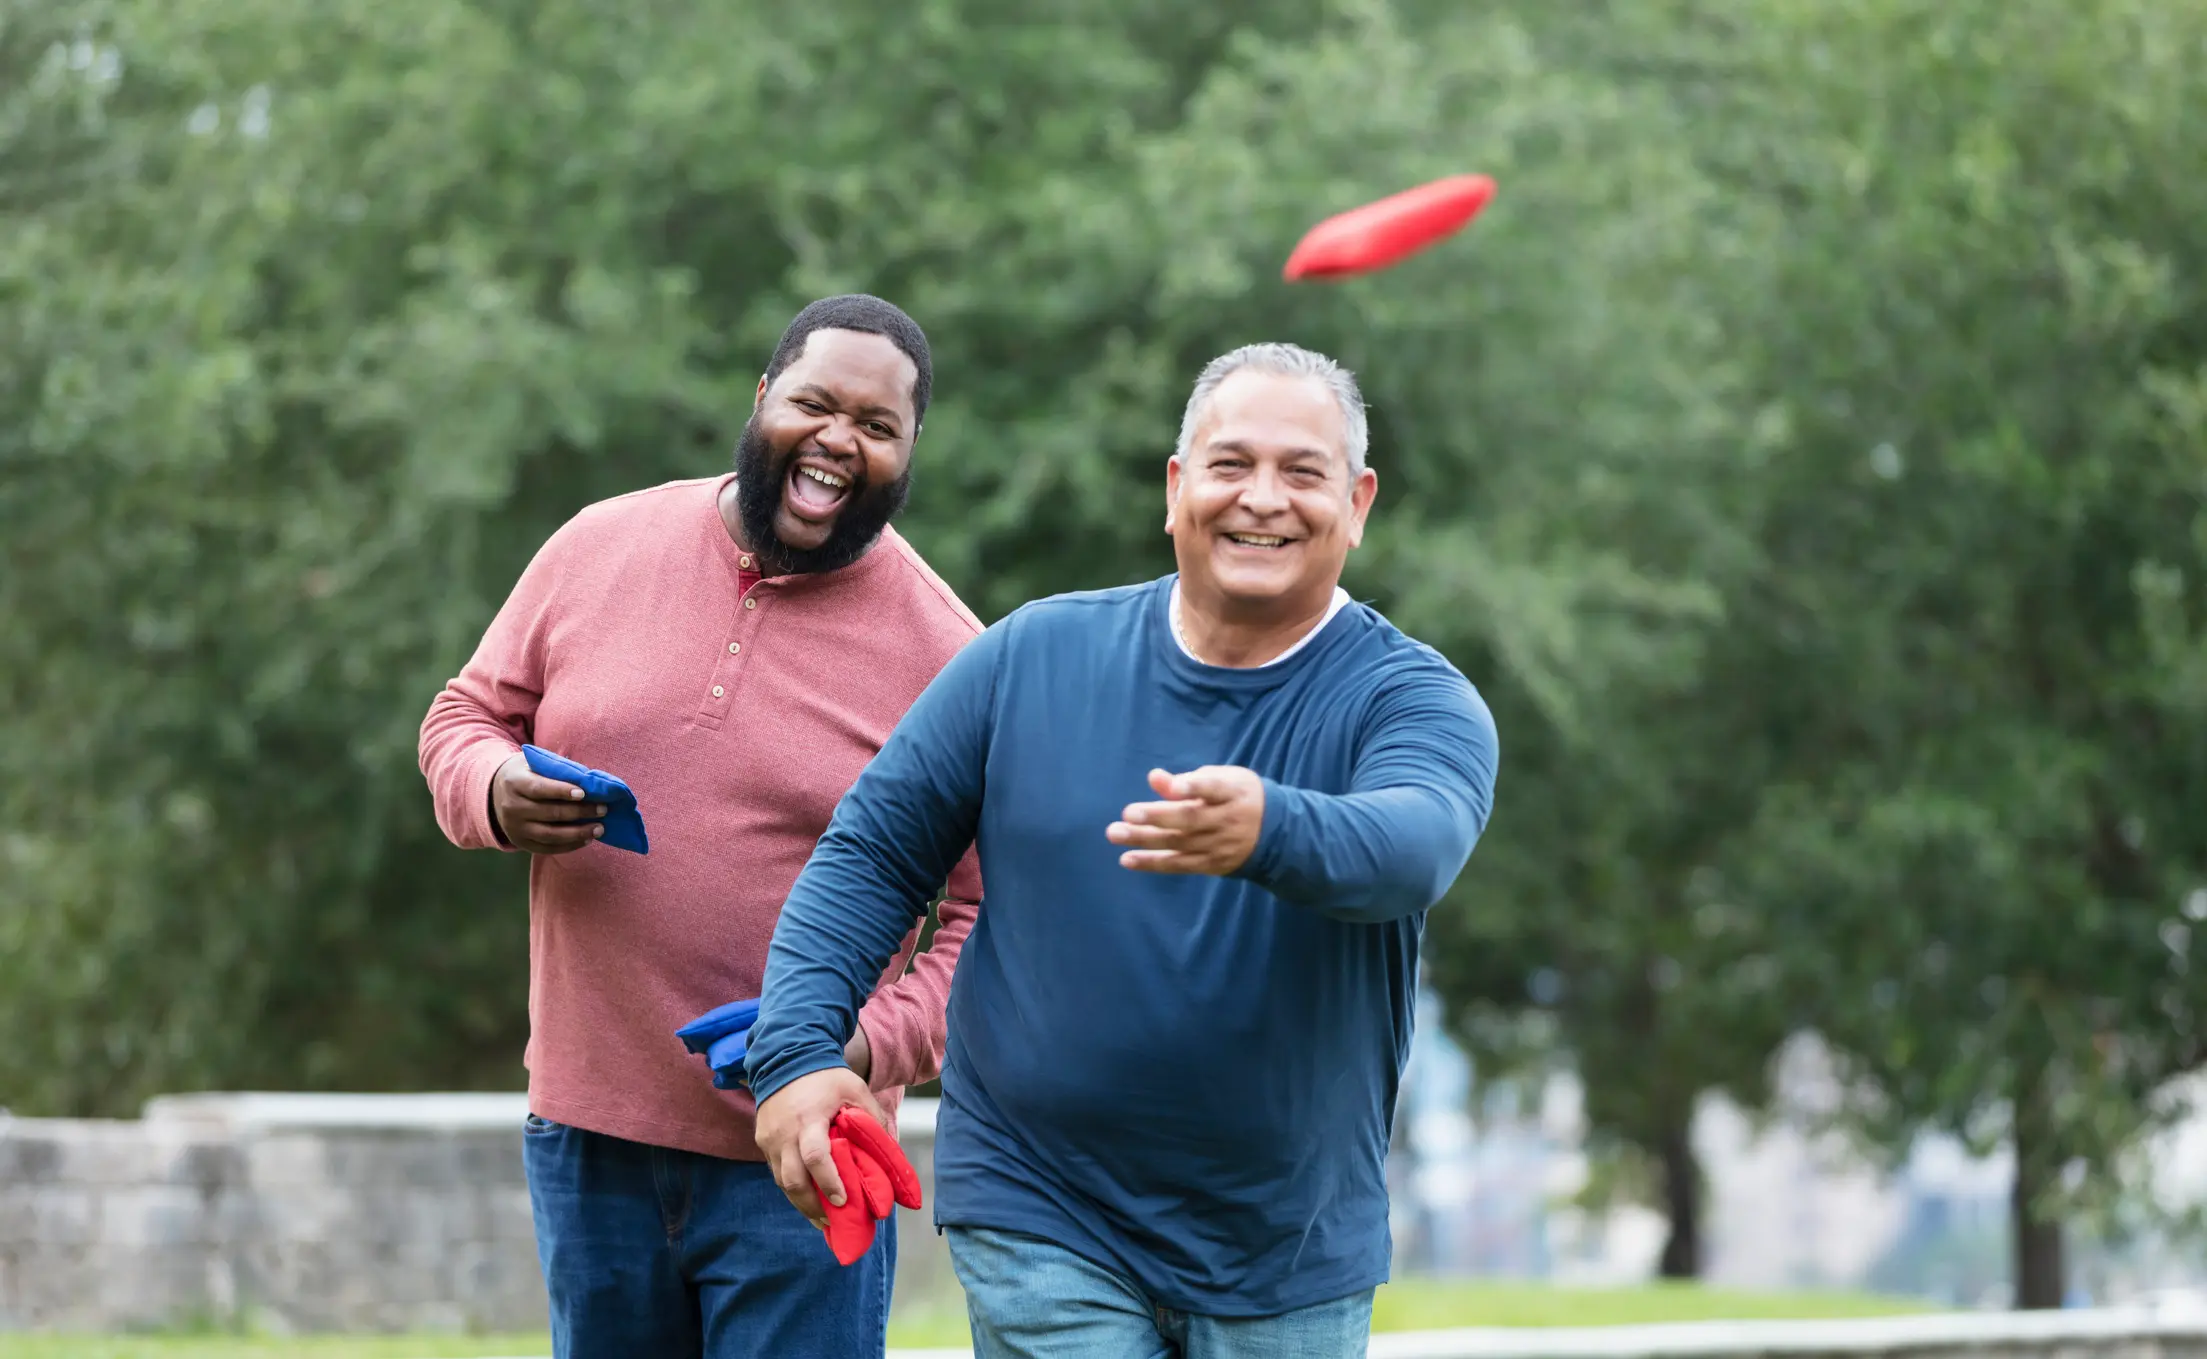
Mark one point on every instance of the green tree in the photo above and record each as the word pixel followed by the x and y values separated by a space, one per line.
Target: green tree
pixel 1933 787
pixel 1980 636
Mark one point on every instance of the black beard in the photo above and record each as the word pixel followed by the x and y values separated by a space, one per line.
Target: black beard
pixel 760 476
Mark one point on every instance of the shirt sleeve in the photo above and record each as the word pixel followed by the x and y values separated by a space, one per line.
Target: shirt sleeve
pixel 486 712
pixel 1418 800
pixel 887 850
pixel 905 1020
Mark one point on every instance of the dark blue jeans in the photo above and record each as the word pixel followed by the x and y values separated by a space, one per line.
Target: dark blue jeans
pixel 650 1251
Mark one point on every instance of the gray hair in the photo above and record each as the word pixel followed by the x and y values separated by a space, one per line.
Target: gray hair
pixel 1286 360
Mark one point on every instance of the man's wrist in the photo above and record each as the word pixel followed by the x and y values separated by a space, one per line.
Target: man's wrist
pixel 1258 866
pixel 797 1066
pixel 490 814
pixel 858 1053
pixel 490 757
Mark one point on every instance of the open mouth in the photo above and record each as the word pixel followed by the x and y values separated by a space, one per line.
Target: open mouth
pixel 815 492
pixel 1267 541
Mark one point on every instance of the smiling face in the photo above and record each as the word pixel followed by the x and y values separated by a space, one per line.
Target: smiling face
pixel 1264 507
pixel 825 461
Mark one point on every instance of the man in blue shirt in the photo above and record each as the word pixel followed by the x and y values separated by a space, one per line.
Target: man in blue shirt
pixel 1212 812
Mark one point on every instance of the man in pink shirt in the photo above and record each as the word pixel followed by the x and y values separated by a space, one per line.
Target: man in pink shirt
pixel 735 649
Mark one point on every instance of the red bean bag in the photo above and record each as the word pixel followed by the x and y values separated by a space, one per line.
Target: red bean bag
pixel 876 1178
pixel 1388 231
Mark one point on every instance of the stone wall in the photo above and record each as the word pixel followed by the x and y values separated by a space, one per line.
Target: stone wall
pixel 304 1213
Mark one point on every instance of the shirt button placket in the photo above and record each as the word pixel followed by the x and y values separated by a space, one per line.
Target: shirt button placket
pixel 724 673
pixel 723 678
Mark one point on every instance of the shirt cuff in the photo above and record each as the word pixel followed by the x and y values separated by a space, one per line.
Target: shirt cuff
pixel 794 1067
pixel 484 763
pixel 888 1070
pixel 1272 833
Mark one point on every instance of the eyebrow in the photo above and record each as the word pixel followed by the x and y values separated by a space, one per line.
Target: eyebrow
pixel 1237 446
pixel 815 389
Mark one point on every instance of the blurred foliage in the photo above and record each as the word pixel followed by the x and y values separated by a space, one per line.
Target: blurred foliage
pixel 1986 598
pixel 1806 453
pixel 1935 789
pixel 319 322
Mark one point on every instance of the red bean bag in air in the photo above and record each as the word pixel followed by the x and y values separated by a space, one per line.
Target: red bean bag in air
pixel 1389 230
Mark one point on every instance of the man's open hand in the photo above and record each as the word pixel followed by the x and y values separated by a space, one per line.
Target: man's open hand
pixel 541 815
pixel 1208 823
pixel 793 1132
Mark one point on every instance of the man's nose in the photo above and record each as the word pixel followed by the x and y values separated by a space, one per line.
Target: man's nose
pixel 839 436
pixel 1265 493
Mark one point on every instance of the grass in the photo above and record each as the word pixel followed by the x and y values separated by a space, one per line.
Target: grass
pixel 1411 1306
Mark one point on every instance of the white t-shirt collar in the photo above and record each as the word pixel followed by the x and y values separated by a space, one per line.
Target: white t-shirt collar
pixel 1333 606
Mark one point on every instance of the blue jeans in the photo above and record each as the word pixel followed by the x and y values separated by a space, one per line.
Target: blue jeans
pixel 1028 1299
pixel 651 1251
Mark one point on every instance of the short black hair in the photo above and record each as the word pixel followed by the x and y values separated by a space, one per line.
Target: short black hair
pixel 870 315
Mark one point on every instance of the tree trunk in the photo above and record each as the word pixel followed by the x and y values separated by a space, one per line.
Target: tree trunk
pixel 2040 1272
pixel 1681 1201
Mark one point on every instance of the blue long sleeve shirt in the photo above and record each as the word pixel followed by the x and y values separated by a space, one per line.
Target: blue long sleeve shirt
pixel 1186 1079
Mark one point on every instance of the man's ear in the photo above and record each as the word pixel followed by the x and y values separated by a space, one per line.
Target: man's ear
pixel 1362 492
pixel 760 394
pixel 1172 490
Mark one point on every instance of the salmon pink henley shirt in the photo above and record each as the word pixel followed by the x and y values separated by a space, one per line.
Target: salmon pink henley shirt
pixel 640 641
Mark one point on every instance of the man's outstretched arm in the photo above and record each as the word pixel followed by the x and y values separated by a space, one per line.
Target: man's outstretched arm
pixel 1389 847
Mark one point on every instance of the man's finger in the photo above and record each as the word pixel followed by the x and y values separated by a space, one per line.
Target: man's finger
pixel 789 1173
pixel 556 833
pixel 555 813
pixel 1145 837
pixel 1178 815
pixel 537 788
pixel 555 839
pixel 812 1143
pixel 1211 784
pixel 871 1107
pixel 1161 861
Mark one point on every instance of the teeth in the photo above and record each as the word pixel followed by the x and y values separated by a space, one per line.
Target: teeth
pixel 825 478
pixel 1257 539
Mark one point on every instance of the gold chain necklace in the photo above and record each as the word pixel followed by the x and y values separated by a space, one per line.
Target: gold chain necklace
pixel 1180 636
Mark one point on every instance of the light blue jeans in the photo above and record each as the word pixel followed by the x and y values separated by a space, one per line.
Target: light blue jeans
pixel 1028 1299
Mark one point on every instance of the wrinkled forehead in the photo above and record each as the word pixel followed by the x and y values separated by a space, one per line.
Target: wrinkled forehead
pixel 1274 415
pixel 862 370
